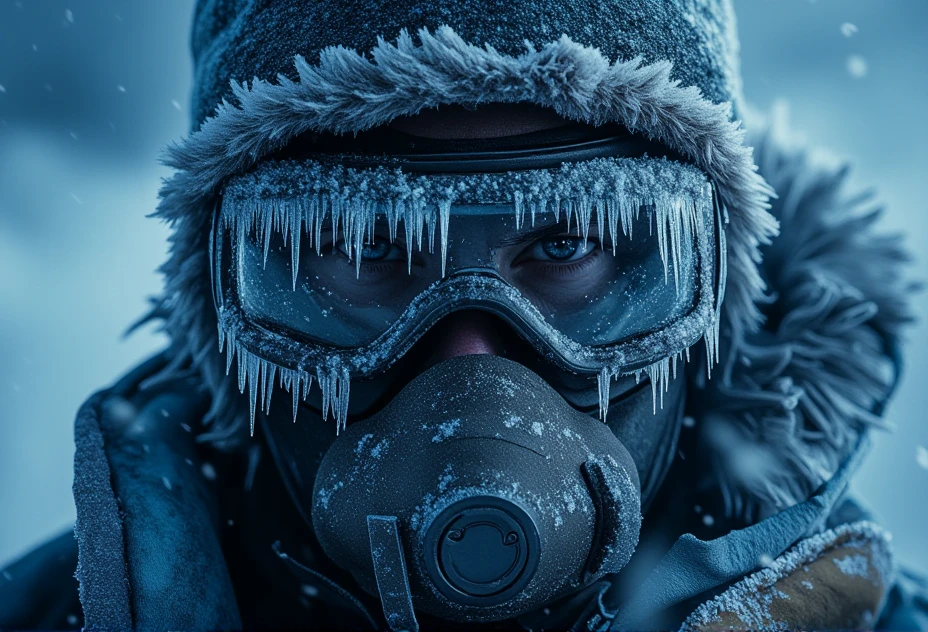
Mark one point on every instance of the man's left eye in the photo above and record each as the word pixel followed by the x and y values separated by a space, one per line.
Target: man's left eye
pixel 562 248
pixel 379 250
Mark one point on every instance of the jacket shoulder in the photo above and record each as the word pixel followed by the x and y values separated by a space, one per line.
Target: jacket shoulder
pixel 39 591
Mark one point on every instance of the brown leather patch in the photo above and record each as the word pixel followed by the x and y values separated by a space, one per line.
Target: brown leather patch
pixel 835 580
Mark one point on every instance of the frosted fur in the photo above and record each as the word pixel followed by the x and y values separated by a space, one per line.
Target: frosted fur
pixel 790 401
pixel 750 598
pixel 348 92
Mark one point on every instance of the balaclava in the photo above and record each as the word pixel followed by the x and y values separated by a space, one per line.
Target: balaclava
pixel 472 487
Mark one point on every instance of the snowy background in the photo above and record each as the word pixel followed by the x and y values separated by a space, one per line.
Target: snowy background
pixel 90 90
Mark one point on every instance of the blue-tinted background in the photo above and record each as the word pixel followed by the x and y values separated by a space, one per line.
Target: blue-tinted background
pixel 91 89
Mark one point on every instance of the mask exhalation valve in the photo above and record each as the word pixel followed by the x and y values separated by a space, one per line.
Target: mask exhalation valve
pixel 482 550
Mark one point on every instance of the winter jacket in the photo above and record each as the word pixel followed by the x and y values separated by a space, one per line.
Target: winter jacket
pixel 182 519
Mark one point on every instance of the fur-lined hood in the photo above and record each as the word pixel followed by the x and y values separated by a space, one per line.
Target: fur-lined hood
pixel 805 365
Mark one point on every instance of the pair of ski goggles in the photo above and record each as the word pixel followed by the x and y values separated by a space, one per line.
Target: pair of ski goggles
pixel 605 265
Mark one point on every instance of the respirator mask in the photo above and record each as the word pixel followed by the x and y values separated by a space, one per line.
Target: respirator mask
pixel 477 487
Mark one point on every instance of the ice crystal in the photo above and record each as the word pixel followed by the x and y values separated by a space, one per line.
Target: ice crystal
pixel 856 565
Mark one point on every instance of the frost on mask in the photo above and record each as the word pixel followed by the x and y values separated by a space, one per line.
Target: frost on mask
pixel 296 198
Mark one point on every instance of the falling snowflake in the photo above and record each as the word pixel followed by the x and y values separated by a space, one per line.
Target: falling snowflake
pixel 69 16
pixel 857 66
pixel 166 482
pixel 2 89
pixel 208 471
pixel 119 409
pixel 121 88
pixel 765 560
pixel 708 520
pixel 921 456
pixel 176 104
pixel 848 29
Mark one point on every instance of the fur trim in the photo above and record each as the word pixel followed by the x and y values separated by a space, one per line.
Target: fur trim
pixel 349 92
pixel 794 397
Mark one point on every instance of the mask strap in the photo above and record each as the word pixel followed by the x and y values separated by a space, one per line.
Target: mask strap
pixel 390 571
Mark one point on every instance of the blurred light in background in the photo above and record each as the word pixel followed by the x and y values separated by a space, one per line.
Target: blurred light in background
pixel 90 90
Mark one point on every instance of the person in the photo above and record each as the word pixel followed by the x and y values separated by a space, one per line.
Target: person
pixel 486 315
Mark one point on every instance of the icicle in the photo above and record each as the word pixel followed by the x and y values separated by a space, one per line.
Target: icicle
pixel 297 382
pixel 251 367
pixel 221 339
pixel 659 373
pixel 230 350
pixel 605 380
pixel 407 228
pixel 518 202
pixel 335 385
pixel 265 230
pixel 319 217
pixel 294 388
pixel 711 338
pixel 268 386
pixel 444 217
pixel 296 234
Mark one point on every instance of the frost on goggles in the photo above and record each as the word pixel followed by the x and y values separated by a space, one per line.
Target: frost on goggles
pixel 599 262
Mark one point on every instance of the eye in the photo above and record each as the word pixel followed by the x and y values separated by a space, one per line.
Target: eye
pixel 379 250
pixel 560 248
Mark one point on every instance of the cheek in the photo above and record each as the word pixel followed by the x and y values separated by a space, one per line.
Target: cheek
pixel 651 438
